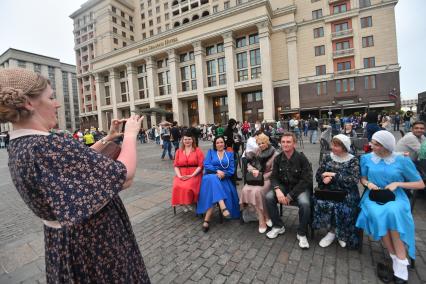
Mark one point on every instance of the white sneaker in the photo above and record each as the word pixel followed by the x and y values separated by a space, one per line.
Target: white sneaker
pixel 272 234
pixel 262 230
pixel 327 240
pixel 185 209
pixel 303 242
pixel 269 223
pixel 342 243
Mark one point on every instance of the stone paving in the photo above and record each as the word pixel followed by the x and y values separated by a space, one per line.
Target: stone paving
pixel 175 249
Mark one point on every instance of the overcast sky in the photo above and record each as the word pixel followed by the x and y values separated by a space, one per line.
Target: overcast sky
pixel 44 27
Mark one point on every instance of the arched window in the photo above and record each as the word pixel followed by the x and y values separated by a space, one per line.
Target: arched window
pixel 176 24
pixel 195 17
pixel 205 13
pixel 185 21
pixel 175 3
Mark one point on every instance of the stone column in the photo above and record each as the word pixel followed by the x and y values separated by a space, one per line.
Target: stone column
pixel 176 103
pixel 228 43
pixel 291 34
pixel 132 82
pixel 100 96
pixel 199 54
pixel 266 67
pixel 151 70
pixel 114 90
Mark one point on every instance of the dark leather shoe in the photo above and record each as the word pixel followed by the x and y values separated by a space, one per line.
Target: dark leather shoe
pixel 398 280
pixel 206 228
pixel 384 272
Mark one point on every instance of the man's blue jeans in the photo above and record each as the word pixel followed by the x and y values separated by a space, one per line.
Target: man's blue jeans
pixel 167 146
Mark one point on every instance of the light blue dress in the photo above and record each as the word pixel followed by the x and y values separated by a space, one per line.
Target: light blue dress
pixel 213 189
pixel 377 219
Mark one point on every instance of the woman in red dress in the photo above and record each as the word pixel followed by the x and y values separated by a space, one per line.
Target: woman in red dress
pixel 188 168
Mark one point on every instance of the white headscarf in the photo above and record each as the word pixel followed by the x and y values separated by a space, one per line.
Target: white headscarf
pixel 345 140
pixel 385 138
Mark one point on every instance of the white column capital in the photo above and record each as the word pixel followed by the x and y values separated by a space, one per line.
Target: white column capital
pixel 171 53
pixel 264 28
pixel 131 68
pixel 228 37
pixel 113 73
pixel 150 61
pixel 98 78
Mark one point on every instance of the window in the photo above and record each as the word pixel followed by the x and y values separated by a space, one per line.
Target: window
pixel 226 5
pixel 113 9
pixel 188 78
pixel 122 14
pixel 115 41
pixel 367 41
pixel 366 22
pixel 166 16
pixel 160 64
pixel 107 96
pixel 242 66
pixel 339 8
pixel 342 66
pixel 241 42
pixel 149 13
pixel 341 27
pixel 222 70
pixel 345 85
pixel 143 35
pixel 132 38
pixel 167 26
pixel 364 3
pixel 151 23
pixel 215 9
pixel 318 32
pixel 219 47
pixel 211 73
pixel 369 62
pixel 149 3
pixel 317 14
pixel 114 30
pixel 166 6
pixel 123 90
pixel 142 6
pixel 130 18
pixel 141 68
pixel 123 34
pixel 142 88
pixel 320 70
pixel 255 63
pixel 164 87
pixel 370 82
pixel 158 20
pixel 321 88
pixel 319 50
pixel 342 45
pixel 143 25
pixel 123 24
pixel 142 16
pixel 210 50
pixel 131 28
pixel 114 19
pixel 253 39
pixel 124 43
pixel 158 30
pixel 157 9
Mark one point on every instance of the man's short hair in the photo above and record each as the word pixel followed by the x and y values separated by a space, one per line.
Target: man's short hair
pixel 289 134
pixel 418 122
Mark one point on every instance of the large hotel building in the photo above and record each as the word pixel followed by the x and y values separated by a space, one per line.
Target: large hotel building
pixel 206 61
pixel 62 78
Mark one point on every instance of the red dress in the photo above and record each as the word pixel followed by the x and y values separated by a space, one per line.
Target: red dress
pixel 186 192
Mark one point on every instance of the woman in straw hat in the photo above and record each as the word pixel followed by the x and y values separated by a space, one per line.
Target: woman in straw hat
pixel 70 187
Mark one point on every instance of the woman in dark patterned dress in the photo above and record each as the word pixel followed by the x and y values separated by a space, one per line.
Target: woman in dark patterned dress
pixel 71 188
pixel 338 171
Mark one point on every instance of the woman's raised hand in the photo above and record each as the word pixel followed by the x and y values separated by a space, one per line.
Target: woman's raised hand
pixel 133 125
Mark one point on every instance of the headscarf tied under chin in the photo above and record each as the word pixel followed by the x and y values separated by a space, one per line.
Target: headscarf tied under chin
pixel 385 138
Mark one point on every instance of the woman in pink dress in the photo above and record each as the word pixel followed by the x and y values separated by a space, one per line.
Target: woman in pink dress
pixel 188 167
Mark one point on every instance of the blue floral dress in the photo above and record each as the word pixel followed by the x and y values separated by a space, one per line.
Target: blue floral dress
pixel 66 183
pixel 377 219
pixel 339 215
pixel 214 189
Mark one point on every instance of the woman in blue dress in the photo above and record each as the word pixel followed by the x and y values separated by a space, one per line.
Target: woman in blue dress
pixel 392 222
pixel 217 185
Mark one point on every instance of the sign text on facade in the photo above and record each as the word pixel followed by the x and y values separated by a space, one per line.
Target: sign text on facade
pixel 158 45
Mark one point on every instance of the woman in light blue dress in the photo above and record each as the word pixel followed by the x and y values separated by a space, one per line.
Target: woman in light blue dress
pixel 392 222
pixel 217 185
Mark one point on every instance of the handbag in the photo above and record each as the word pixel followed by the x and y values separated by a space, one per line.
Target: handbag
pixel 331 195
pixel 111 150
pixel 381 196
pixel 252 180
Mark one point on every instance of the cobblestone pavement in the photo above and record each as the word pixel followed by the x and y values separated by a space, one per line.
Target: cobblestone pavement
pixel 176 250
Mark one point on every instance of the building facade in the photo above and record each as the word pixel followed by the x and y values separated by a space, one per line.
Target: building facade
pixel 62 77
pixel 205 61
pixel 407 105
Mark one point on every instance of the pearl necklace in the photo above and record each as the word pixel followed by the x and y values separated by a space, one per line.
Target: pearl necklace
pixel 220 161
